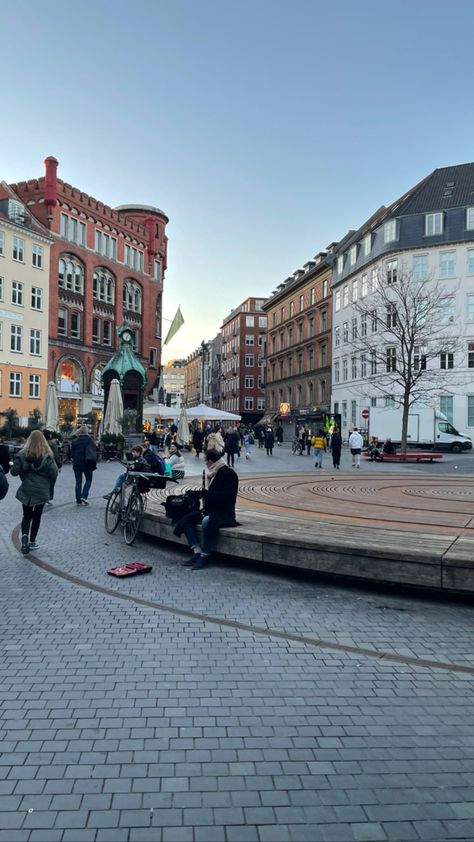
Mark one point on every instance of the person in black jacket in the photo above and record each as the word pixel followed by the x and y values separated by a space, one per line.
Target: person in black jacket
pixel 219 510
pixel 84 461
pixel 4 455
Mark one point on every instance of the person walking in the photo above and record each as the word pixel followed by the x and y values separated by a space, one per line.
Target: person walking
pixel 269 441
pixel 84 462
pixel 319 447
pixel 54 447
pixel 4 455
pixel 198 438
pixel 247 444
pixel 35 466
pixel 215 441
pixel 355 444
pixel 232 444
pixel 279 435
pixel 336 446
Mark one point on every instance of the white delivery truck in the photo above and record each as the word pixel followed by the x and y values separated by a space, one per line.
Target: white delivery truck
pixel 427 428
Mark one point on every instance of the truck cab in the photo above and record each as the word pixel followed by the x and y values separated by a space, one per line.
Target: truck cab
pixel 447 437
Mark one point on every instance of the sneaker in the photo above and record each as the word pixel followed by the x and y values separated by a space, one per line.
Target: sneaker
pixel 191 561
pixel 199 564
pixel 107 496
pixel 33 546
pixel 49 503
pixel 78 502
pixel 25 544
pixel 84 502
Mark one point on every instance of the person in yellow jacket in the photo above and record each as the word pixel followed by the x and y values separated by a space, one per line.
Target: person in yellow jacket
pixel 319 446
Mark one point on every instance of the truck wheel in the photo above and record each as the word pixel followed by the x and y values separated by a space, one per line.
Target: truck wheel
pixel 456 448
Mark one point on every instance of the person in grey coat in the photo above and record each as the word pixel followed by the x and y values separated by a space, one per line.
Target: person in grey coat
pixel 35 466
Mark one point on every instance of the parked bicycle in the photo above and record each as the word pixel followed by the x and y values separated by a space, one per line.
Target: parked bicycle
pixel 126 505
pixel 297 447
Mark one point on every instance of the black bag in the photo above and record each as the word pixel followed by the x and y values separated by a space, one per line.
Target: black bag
pixel 3 484
pixel 91 455
pixel 178 505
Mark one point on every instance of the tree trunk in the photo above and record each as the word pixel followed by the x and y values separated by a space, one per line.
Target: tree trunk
pixel 406 410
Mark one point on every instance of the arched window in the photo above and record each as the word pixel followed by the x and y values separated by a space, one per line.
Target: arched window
pixel 103 286
pixel 132 296
pixel 71 273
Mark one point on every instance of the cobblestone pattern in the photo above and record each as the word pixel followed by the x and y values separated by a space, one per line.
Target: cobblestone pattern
pixel 119 722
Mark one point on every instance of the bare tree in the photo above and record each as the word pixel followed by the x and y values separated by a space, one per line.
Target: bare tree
pixel 406 337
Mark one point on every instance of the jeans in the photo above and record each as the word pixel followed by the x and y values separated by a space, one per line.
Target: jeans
pixel 192 538
pixel 318 455
pixel 82 493
pixel 120 480
pixel 31 518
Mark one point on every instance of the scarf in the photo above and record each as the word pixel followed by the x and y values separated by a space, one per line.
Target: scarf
pixel 211 472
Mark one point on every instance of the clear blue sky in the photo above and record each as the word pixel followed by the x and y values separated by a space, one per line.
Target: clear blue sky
pixel 264 128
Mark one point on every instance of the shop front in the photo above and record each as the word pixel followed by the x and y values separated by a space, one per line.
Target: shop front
pixel 69 385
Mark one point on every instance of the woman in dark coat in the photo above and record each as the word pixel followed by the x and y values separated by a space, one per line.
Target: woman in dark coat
pixel 335 445
pixel 84 461
pixel 269 441
pixel 198 438
pixel 35 466
pixel 232 445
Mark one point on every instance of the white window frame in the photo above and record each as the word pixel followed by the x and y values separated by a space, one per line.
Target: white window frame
pixel 34 386
pixel 248 403
pixel 2 287
pixel 434 224
pixel 249 321
pixel 16 339
pixel 390 231
pixel 75 334
pixel 353 255
pixel 249 359
pixel 260 404
pixel 249 339
pixel 337 300
pixel 355 289
pixel 18 250
pixel 470 219
pixel 447 270
pixel 470 262
pixel 420 267
pixel 2 244
pixel 36 298
pixel 35 342
pixel 37 255
pixel 367 244
pixel 345 295
pixel 340 264
pixel 364 285
pixel 15 381
pixel 249 381
pixel 17 291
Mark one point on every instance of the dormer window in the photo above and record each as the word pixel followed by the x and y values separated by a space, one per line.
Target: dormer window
pixel 353 255
pixel 434 224
pixel 390 231
pixel 367 243
pixel 340 264
pixel 470 219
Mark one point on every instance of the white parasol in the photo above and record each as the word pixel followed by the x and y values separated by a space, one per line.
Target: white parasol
pixel 114 410
pixel 51 413
pixel 182 436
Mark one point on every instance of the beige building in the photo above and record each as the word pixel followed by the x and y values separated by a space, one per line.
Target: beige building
pixel 173 381
pixel 24 308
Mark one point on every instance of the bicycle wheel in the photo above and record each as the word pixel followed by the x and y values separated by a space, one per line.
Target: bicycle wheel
pixel 112 511
pixel 133 516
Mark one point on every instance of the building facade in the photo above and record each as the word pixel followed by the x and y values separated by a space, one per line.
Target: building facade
pixel 243 345
pixel 298 347
pixel 107 268
pixel 428 233
pixel 173 382
pixel 24 302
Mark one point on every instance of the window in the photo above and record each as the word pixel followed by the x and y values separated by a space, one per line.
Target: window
pixel 324 318
pixel 336 371
pixel 107 332
pixel 63 229
pixel 249 381
pixel 355 289
pixel 15 384
pixel 337 335
pixel 470 261
pixel 323 355
pixel 16 338
pixel 249 360
pixel 37 256
pixel 391 315
pixel 36 298
pixel 132 295
pixel 136 340
pixel 390 402
pixel 35 342
pixel 71 274
pixel 17 293
pixel 34 386
pixel 322 390
pixel 447 264
pixel 75 325
pixel 311 296
pixel 340 264
pixel 311 358
pixel 300 331
pixel 373 362
pixel 249 321
pixel 2 243
pixel 261 403
pixel 363 286
pixel 469 221
pixel 433 224
pixel 446 360
pixel 290 365
pixel 72 229
pixel 282 314
pixel 470 411
pixel 62 322
pixel 391 271
pixel 344 414
pixel 420 267
pixel 345 331
pixel 103 288
pixel 353 255
pixel 311 327
pixel 390 232
pixel 446 407
pixel 344 369
pixel 470 307
pixel 375 279
pixel 367 244
pixel 262 321
pixel 374 321
pixel 447 309
pixel 354 328
pixel 249 339
pixel 336 408
pixel 292 309
pixel 337 300
pixel 1 289
pixel 391 359
pixel 354 368
pixel 345 296
pixel 153 357
pixel 133 258
pixel 419 359
pixel 96 330
pixel 156 270
pixel 1 347
pixel 363 365
pixel 301 303
pixel 18 249
pixel 248 403
pixel 363 324
pixel 325 290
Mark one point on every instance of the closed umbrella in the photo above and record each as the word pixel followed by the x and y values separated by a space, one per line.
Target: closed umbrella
pixel 182 436
pixel 114 410
pixel 51 413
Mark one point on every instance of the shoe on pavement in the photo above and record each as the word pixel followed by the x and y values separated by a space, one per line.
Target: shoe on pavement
pixel 190 561
pixel 107 496
pixel 84 502
pixel 199 564
pixel 33 546
pixel 25 544
pixel 49 503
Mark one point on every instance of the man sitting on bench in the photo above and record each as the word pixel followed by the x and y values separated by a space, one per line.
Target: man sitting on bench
pixel 389 448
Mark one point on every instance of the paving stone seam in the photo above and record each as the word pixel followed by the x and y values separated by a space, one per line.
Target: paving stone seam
pixel 235 624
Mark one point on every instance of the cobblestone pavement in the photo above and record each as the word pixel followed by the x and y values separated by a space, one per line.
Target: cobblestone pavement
pixel 120 721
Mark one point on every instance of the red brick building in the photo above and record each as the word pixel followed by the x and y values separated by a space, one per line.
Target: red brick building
pixel 243 349
pixel 107 268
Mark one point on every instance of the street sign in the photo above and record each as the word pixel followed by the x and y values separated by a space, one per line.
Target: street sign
pixel 365 414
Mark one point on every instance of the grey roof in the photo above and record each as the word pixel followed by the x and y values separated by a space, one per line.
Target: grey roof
pixel 447 187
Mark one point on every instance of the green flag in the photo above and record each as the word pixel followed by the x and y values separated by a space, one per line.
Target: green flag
pixel 175 325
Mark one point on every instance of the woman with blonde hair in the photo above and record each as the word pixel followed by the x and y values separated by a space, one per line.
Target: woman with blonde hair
pixel 35 466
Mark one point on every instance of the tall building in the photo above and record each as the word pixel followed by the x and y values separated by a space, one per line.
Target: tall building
pixel 298 347
pixel 173 382
pixel 107 268
pixel 429 234
pixel 243 342
pixel 24 301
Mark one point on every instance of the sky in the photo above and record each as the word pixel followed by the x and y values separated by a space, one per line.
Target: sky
pixel 264 129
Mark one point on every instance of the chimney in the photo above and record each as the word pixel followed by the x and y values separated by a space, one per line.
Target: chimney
pixel 50 184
